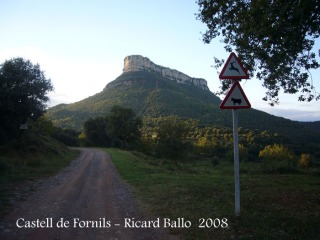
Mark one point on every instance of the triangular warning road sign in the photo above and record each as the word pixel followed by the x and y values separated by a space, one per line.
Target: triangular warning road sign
pixel 235 98
pixel 233 69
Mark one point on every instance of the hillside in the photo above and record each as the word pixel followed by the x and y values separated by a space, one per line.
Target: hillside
pixel 152 95
pixel 149 94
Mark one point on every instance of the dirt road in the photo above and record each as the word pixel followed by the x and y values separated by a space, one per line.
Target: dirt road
pixel 86 200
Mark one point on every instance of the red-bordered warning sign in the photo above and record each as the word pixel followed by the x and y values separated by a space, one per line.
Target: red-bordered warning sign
pixel 233 69
pixel 235 98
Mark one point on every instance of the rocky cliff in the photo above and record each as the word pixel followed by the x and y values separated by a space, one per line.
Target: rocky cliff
pixel 134 63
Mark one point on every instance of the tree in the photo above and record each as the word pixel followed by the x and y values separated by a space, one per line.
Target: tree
pixel 119 128
pixel 274 39
pixel 170 140
pixel 68 137
pixel 95 132
pixel 43 126
pixel 23 95
pixel 123 125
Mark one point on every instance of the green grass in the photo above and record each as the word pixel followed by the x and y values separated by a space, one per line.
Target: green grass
pixel 19 168
pixel 33 155
pixel 29 162
pixel 273 206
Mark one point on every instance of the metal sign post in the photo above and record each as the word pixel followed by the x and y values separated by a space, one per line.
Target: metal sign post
pixel 236 162
pixel 235 99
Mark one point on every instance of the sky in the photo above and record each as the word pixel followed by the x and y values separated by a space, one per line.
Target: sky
pixel 81 45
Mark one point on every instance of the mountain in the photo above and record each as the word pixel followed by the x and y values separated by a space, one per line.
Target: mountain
pixel 154 91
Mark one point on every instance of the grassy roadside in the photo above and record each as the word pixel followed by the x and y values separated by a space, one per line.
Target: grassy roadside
pixel 19 167
pixel 285 206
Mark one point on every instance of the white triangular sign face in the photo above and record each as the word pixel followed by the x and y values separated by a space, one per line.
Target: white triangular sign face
pixel 233 69
pixel 235 99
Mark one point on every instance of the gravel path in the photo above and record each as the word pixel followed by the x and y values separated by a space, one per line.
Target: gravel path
pixel 87 200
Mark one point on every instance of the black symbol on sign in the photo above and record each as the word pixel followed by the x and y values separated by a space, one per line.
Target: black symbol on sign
pixel 233 68
pixel 236 100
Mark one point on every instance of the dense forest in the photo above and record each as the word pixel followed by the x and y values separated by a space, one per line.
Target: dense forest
pixel 174 139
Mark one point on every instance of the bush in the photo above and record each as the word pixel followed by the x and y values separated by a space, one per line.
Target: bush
pixel 277 159
pixel 304 161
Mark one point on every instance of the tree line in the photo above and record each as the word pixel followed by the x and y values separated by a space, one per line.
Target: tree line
pixel 173 139
pixel 120 128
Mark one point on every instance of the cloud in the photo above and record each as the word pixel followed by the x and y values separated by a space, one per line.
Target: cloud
pixel 293 114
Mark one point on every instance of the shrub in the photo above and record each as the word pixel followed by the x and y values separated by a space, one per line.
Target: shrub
pixel 304 161
pixel 277 159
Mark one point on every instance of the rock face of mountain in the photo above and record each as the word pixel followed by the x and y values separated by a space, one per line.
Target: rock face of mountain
pixel 135 63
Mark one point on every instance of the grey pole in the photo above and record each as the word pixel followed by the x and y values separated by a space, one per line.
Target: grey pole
pixel 236 162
